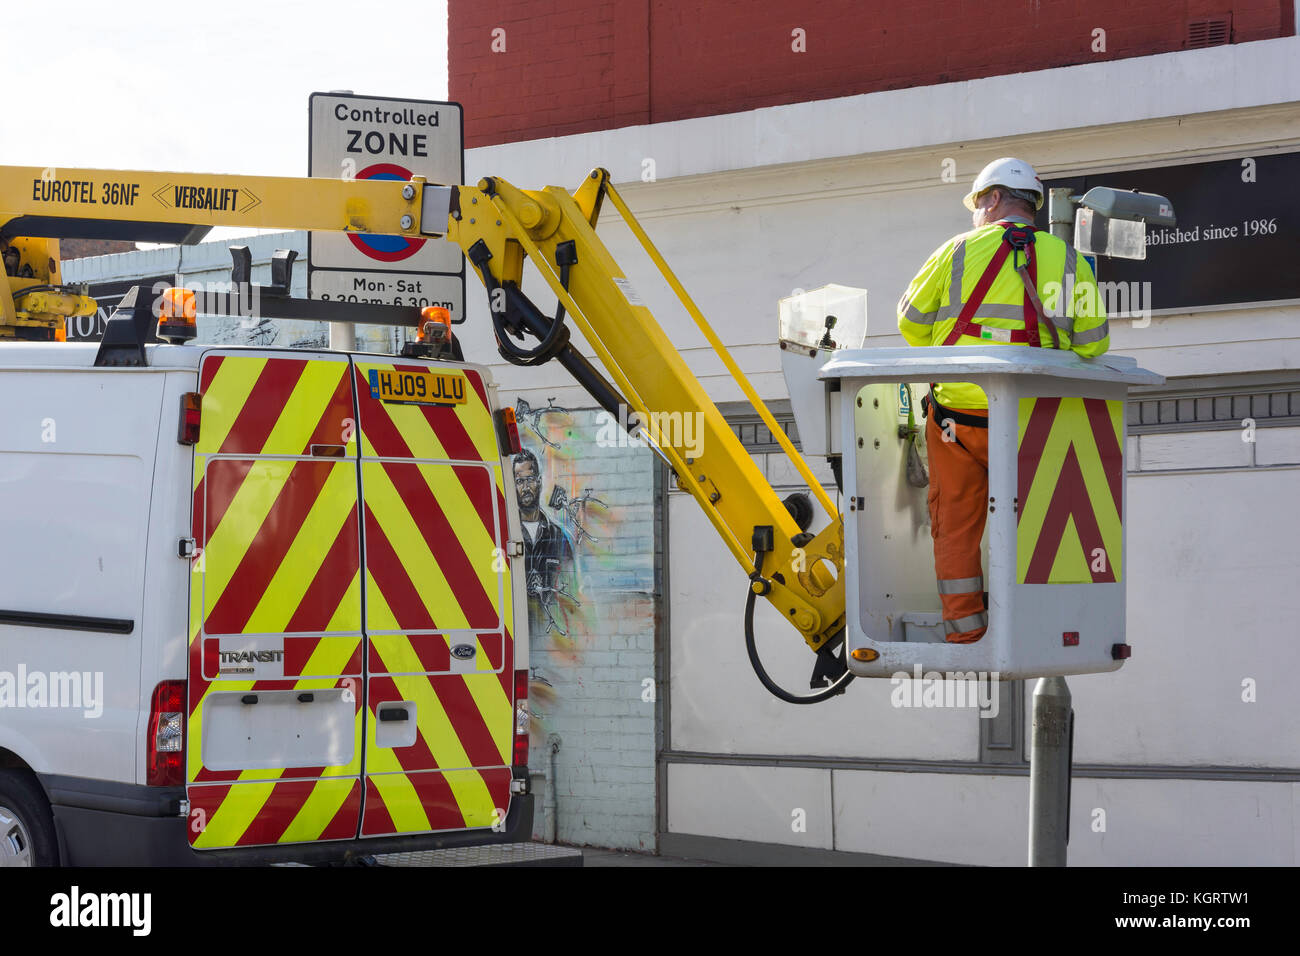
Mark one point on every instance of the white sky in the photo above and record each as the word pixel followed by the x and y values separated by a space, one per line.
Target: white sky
pixel 202 87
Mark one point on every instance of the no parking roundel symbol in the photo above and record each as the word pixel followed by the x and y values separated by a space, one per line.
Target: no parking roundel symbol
pixel 386 248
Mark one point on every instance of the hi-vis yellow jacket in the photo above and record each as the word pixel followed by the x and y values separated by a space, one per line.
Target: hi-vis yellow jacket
pixel 928 311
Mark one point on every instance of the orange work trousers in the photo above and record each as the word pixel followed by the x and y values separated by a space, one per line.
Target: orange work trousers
pixel 959 490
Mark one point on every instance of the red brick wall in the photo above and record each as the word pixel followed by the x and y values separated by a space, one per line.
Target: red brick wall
pixel 81 248
pixel 572 66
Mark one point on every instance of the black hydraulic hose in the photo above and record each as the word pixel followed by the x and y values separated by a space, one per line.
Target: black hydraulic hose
pixel 61 289
pixel 775 689
pixel 595 384
pixel 553 334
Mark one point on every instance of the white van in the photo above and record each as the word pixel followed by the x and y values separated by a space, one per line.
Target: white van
pixel 255 605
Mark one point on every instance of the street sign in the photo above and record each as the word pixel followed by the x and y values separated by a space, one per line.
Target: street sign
pixel 389 288
pixel 368 137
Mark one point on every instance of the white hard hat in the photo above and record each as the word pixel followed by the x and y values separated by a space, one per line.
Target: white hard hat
pixel 1010 172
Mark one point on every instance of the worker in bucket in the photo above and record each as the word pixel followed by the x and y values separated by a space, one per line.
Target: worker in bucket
pixel 1004 282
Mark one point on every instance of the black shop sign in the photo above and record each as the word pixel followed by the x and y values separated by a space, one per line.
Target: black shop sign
pixel 90 328
pixel 1238 235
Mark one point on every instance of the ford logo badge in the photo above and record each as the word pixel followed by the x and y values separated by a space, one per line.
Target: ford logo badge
pixel 463 651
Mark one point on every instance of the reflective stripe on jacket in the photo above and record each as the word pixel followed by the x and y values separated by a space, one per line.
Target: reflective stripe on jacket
pixel 928 310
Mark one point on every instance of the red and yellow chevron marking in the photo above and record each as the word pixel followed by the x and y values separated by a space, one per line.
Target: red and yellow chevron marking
pixel 461 432
pixel 1071 474
pixel 464 726
pixel 279 554
pixel 279 568
pixel 431 542
pixel 436 577
pixel 286 811
pixel 435 800
pixel 462 720
pixel 431 653
pixel 431 557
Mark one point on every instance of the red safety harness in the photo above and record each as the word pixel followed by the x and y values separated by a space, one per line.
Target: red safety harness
pixel 1016 238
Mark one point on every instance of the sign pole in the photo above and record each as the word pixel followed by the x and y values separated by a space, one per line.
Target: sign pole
pixel 343 336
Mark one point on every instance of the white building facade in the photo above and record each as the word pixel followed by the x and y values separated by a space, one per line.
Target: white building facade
pixel 1188 755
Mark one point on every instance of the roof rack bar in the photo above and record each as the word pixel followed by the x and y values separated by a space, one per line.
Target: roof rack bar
pixel 267 302
pixel 134 321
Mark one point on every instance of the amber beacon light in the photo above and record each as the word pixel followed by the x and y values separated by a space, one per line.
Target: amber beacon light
pixel 177 314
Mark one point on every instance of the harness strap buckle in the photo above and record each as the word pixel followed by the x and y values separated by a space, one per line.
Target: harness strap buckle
pixel 1019 237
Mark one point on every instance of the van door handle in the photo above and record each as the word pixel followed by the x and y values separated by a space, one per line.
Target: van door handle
pixel 394 713
pixel 328 451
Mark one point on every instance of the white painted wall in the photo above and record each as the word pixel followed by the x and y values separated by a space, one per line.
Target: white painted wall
pixel 1212 569
pixel 982 820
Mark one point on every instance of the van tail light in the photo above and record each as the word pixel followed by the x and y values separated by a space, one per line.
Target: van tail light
pixel 508 431
pixel 191 418
pixel 523 718
pixel 165 746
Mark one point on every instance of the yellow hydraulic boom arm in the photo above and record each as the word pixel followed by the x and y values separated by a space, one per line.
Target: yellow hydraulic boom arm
pixel 497 225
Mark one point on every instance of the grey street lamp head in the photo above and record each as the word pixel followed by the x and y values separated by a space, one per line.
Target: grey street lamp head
pixel 1129 204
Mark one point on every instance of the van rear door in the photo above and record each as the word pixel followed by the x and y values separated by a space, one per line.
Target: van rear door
pixel 276 646
pixel 437 600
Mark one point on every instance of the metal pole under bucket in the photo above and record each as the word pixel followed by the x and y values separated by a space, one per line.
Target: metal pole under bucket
pixel 1049 773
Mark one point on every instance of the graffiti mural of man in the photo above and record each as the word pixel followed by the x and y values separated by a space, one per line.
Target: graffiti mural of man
pixel 548 555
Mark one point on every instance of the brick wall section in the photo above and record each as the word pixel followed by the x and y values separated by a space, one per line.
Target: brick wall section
pixel 568 66
pixel 84 248
pixel 573 66
pixel 606 765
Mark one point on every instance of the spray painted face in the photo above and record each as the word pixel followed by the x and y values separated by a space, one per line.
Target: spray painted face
pixel 527 484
